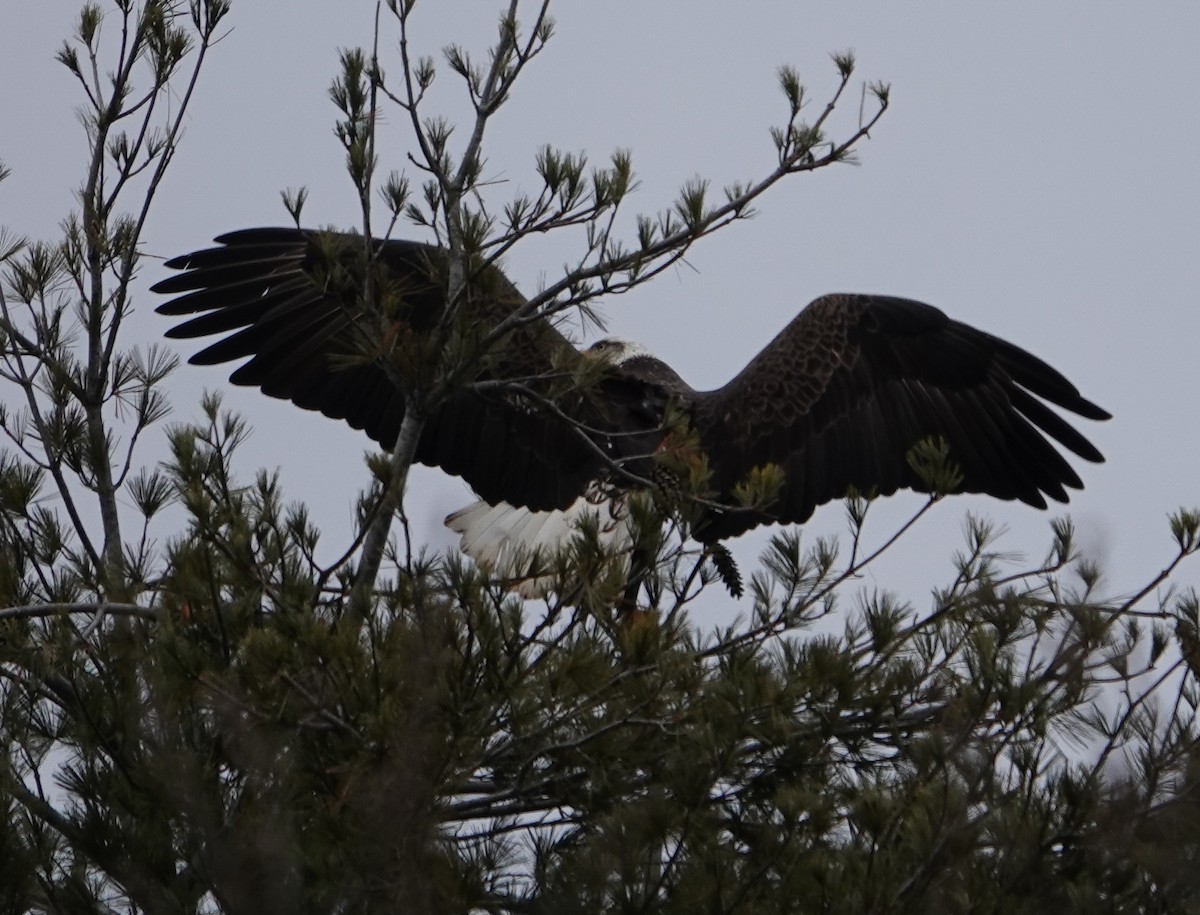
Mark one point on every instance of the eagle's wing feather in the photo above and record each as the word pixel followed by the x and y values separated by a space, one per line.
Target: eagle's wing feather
pixel 287 301
pixel 840 397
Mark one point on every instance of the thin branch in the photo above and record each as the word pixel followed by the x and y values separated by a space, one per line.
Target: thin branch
pixel 96 609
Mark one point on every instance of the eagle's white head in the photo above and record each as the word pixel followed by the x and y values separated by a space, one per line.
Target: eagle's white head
pixel 617 350
pixel 636 361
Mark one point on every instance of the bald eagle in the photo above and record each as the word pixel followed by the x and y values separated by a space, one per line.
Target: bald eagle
pixel 547 434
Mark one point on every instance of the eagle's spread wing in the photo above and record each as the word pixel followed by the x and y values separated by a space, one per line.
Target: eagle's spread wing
pixel 289 301
pixel 840 397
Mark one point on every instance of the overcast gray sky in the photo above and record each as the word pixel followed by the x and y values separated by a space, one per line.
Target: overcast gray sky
pixel 1035 176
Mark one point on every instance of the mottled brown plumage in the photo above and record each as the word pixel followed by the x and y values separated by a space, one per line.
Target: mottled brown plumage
pixel 837 400
pixel 845 391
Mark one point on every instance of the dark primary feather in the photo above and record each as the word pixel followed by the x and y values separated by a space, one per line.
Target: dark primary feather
pixel 837 400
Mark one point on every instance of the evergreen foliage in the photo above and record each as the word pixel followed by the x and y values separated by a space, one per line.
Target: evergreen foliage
pixel 196 715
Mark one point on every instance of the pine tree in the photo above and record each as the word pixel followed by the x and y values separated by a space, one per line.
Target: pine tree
pixel 198 716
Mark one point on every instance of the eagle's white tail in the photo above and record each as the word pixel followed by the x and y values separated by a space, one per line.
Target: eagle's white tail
pixel 520 546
